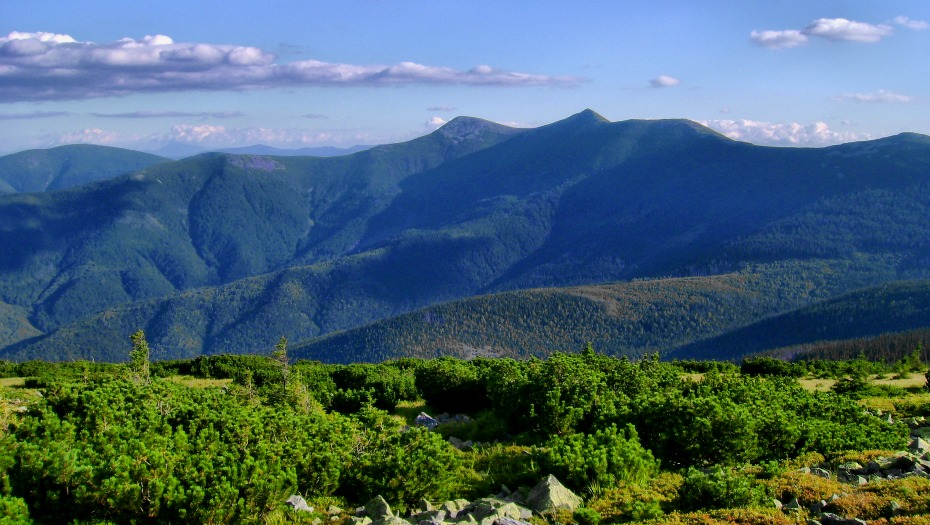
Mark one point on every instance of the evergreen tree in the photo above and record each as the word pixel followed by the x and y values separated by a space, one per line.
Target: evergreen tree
pixel 139 356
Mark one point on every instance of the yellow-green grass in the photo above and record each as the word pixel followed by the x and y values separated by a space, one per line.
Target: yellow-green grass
pixel 198 382
pixel 12 382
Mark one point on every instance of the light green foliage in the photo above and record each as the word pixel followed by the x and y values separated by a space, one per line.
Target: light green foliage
pixel 720 488
pixel 405 467
pixel 606 457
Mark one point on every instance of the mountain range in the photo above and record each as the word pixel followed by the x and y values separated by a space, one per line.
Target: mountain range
pixel 477 239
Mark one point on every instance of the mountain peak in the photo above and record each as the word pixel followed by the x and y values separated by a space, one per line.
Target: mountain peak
pixel 464 128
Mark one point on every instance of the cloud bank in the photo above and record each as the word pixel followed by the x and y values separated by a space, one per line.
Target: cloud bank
pixel 835 29
pixel 48 66
pixel 782 134
pixel 32 115
pixel 170 114
pixel 879 96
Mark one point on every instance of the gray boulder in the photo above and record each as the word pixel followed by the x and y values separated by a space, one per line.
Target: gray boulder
pixel 425 420
pixel 298 503
pixel 823 473
pixel 550 495
pixel 919 446
pixel 378 509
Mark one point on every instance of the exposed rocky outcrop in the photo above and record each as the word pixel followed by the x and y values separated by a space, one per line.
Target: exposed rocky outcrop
pixel 507 508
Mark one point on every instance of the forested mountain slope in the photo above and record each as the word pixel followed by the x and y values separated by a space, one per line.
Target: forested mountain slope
pixel 222 253
pixel 68 166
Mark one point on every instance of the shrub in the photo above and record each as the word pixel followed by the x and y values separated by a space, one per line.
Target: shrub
pixel 606 457
pixel 719 488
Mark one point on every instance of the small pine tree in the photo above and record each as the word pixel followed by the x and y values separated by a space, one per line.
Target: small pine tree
pixel 139 356
pixel 280 355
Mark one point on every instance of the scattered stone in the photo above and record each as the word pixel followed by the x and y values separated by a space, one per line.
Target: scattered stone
pixel 378 509
pixel 778 504
pixel 425 420
pixel 793 505
pixel 359 520
pixel 823 473
pixel 391 520
pixel 298 503
pixel 818 507
pixel 920 446
pixel 334 511
pixel 833 519
pixel 550 495
pixel 510 521
pixel 895 508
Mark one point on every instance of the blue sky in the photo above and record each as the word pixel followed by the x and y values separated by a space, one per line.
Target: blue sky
pixel 295 73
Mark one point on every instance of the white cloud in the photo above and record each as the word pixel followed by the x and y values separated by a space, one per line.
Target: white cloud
pixel 779 39
pixel 32 115
pixel 664 81
pixel 315 116
pixel 879 96
pixel 435 123
pixel 782 134
pixel 170 114
pixel 917 25
pixel 46 66
pixel 848 30
pixel 87 136
pixel 836 29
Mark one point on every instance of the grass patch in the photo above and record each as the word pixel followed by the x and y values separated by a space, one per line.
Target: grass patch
pixel 409 410
pixel 199 382
pixel 12 382
pixel 817 385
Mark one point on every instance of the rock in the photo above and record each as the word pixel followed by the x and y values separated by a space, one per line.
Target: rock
pixel 818 507
pixel 334 511
pixel 852 466
pixel 425 420
pixel 378 509
pixel 391 520
pixel 778 504
pixel 358 520
pixel 550 495
pixel 509 521
pixel 833 519
pixel 813 522
pixel 793 505
pixel 895 508
pixel 425 505
pixel 920 446
pixel 431 516
pixel 822 473
pixel 299 503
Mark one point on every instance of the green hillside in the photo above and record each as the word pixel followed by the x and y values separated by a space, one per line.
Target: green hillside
pixel 68 166
pixel 887 308
pixel 628 318
pixel 224 253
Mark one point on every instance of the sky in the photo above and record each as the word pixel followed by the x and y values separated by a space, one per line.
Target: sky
pixel 304 73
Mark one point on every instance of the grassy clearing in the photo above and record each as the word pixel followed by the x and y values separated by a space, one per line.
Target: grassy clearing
pixel 12 382
pixel 817 385
pixel 196 382
pixel 409 410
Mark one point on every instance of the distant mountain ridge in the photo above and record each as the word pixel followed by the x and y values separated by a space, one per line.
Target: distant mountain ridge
pixel 68 166
pixel 226 253
pixel 181 151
